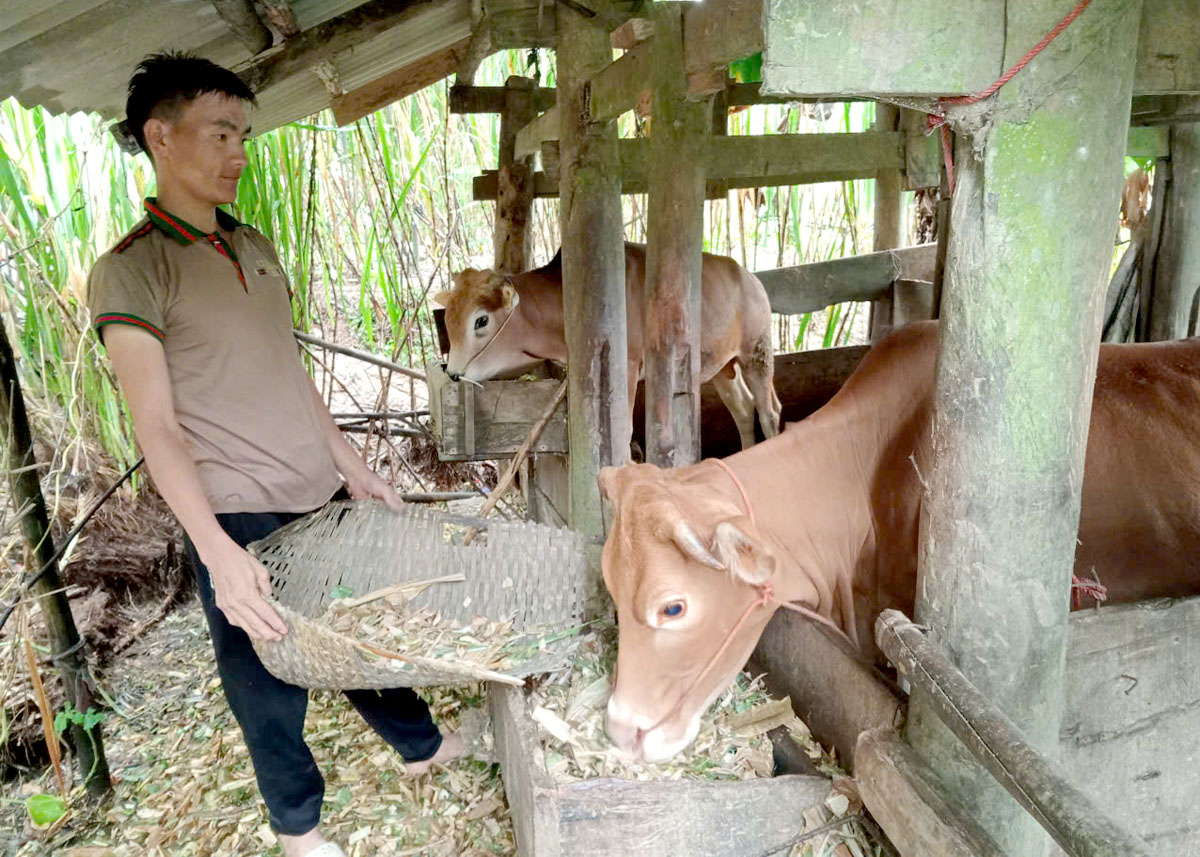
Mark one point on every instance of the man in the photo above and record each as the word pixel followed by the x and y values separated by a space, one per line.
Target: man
pixel 193 309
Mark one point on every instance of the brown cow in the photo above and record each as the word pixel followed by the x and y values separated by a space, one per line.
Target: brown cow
pixel 500 324
pixel 836 500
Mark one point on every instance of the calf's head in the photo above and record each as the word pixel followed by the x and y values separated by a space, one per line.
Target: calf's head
pixel 476 310
pixel 682 563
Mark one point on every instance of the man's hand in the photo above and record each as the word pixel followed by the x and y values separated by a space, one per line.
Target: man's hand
pixel 364 484
pixel 240 584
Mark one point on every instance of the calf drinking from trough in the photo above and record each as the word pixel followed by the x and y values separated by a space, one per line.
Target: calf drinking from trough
pixel 825 515
pixel 500 324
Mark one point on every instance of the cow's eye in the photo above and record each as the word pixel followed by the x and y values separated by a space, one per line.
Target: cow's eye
pixel 673 610
pixel 481 322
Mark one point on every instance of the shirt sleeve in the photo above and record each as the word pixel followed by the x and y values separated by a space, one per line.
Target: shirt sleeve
pixel 120 292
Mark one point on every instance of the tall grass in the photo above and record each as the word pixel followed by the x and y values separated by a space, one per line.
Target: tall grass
pixel 369 219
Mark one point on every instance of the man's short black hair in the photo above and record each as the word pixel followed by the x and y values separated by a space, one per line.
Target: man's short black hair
pixel 163 84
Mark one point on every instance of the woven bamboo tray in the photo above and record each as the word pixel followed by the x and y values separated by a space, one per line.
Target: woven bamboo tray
pixel 518 571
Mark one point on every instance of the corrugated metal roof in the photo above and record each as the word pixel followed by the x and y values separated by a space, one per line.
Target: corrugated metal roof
pixel 77 55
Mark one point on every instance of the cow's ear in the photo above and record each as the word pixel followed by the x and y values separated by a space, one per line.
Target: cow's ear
pixel 509 294
pixel 442 299
pixel 608 479
pixel 747 558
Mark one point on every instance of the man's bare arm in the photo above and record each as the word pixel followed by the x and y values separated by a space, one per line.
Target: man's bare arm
pixel 239 581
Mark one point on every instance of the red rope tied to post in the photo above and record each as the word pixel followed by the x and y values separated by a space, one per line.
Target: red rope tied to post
pixel 1092 588
pixel 938 120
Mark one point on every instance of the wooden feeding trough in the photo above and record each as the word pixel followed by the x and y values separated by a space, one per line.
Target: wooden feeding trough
pixel 473 421
pixel 606 817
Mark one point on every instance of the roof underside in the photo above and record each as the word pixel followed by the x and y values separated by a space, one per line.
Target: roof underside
pixel 77 55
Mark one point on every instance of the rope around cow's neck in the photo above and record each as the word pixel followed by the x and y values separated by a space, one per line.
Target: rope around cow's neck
pixel 767 590
pixel 766 598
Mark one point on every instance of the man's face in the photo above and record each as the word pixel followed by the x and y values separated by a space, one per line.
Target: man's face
pixel 203 151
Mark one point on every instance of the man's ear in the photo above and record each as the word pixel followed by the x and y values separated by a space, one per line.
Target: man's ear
pixel 155 131
pixel 746 557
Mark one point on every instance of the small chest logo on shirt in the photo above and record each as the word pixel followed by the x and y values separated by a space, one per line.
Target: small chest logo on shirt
pixel 268 271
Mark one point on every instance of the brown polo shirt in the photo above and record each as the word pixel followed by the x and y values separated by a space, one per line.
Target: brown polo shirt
pixel 221 310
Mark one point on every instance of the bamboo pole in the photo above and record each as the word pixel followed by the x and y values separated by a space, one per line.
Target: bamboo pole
pixel 56 610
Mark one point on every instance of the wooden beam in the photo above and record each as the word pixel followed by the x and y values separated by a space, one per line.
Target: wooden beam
pixel 812 287
pixel 619 84
pixel 1151 141
pixel 593 262
pixel 1011 405
pixel 901 792
pixel 282 16
pixel 490 99
pixel 1164 110
pixel 398 84
pixel 675 226
pixel 803 660
pixel 912 48
pixel 1140 732
pixel 325 41
pixel 242 20
pixel 735 160
pixel 530 138
pixel 514 205
pixel 888 233
pixel 1176 277
pixel 770 161
pixel 716 33
pixel 635 30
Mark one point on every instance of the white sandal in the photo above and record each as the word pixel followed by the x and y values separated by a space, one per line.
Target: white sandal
pixel 327 849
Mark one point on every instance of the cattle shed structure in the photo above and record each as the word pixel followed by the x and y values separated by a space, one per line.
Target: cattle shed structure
pixel 1018 277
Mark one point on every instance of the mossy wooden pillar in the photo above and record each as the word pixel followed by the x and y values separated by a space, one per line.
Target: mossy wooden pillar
pixel 675 227
pixel 593 261
pixel 1030 247
pixel 1176 280
pixel 17 443
pixel 514 198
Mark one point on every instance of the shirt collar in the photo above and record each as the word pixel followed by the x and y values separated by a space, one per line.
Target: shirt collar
pixel 180 229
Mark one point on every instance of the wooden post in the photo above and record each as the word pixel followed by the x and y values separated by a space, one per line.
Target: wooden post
pixel 56 610
pixel 593 261
pixel 514 204
pixel 675 226
pixel 1177 268
pixel 1030 248
pixel 889 224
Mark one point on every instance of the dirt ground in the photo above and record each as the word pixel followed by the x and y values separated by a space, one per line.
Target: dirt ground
pixel 184 784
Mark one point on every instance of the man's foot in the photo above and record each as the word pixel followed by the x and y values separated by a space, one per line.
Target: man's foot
pixel 451 749
pixel 311 844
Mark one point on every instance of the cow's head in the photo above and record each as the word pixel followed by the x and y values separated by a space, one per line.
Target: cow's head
pixel 681 561
pixel 476 310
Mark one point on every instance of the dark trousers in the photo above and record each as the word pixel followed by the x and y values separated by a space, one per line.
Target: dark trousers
pixel 271 712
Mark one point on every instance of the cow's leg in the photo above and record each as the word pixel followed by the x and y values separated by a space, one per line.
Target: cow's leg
pixel 759 372
pixel 737 398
